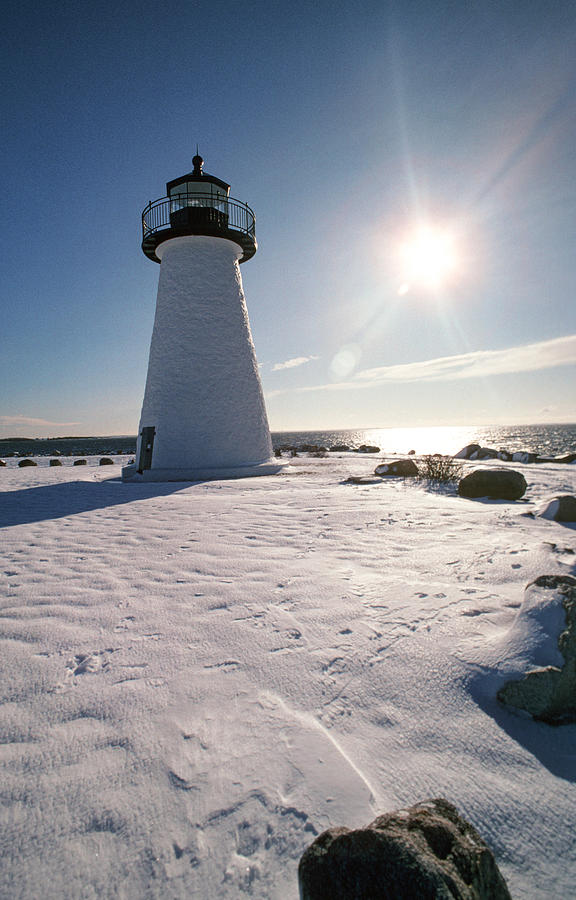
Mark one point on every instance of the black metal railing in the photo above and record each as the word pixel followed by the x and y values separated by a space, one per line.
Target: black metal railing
pixel 227 213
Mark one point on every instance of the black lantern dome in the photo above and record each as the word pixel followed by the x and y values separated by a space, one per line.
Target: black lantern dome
pixel 198 203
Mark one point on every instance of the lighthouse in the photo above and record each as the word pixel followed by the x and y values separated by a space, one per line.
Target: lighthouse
pixel 203 414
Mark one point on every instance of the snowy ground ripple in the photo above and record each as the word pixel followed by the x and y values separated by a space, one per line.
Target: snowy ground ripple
pixel 198 679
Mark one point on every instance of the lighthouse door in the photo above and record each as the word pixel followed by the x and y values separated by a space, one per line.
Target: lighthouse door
pixel 146 445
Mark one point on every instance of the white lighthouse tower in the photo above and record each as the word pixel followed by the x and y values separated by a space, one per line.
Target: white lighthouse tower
pixel 203 414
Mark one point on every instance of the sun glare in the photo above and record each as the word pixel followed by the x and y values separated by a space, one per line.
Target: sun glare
pixel 428 259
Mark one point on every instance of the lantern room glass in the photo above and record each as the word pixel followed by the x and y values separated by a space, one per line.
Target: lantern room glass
pixel 198 193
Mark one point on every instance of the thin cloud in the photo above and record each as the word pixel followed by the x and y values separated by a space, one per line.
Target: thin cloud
pixel 28 420
pixel 477 364
pixel 292 363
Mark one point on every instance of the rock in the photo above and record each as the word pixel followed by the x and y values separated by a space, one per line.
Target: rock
pixel 568 458
pixel 26 462
pixel 363 479
pixel 55 462
pixel 402 467
pixel 548 693
pixel 79 462
pixel 487 453
pixel 340 448
pixel 524 456
pixel 367 448
pixel 106 461
pixel 498 484
pixel 467 451
pixel 2 464
pixel 425 852
pixel 475 451
pixel 411 453
pixel 560 509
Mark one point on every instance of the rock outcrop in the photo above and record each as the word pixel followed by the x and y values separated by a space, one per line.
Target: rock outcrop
pixel 427 851
pixel 548 693
pixel 401 467
pixel 475 451
pixel 524 456
pixel 498 484
pixel 561 508
pixel 467 451
pixel 367 448
pixel 568 458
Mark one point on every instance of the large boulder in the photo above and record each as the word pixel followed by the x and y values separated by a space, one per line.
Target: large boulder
pixel 106 461
pixel 80 462
pixel 467 452
pixel 524 456
pixel 26 462
pixel 2 464
pixel 402 467
pixel 547 622
pixel 368 448
pixel 498 484
pixel 487 453
pixel 425 852
pixel 561 508
pixel 55 462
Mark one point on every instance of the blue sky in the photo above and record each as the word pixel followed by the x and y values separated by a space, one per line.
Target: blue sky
pixel 345 127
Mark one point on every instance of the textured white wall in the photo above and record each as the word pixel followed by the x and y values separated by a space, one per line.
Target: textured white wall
pixel 203 392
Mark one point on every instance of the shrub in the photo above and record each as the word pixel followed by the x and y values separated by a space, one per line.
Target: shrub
pixel 440 469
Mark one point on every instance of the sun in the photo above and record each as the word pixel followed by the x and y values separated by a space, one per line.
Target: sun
pixel 428 259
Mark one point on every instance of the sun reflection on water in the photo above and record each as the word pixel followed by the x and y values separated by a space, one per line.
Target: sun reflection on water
pixel 432 439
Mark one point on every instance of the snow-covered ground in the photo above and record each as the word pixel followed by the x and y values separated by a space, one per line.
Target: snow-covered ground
pixel 199 678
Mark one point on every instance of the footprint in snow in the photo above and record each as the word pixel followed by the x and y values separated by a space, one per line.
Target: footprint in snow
pixel 124 623
pixel 88 663
pixel 228 665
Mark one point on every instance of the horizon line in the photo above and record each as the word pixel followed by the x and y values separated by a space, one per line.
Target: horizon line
pixel 76 437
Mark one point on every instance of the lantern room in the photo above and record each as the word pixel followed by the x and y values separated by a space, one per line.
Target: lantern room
pixel 198 203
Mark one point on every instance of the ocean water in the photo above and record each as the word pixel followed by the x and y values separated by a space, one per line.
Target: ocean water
pixel 546 440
